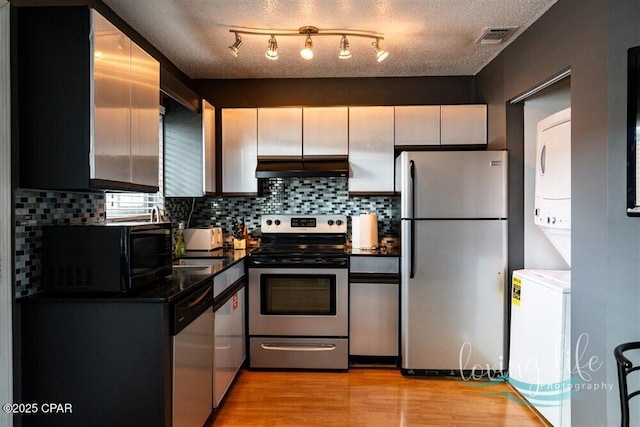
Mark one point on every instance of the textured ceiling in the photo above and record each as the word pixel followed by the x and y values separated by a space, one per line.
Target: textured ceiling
pixel 423 37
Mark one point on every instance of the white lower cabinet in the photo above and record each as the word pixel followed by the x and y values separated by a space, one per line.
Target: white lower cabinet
pixel 229 344
pixel 371 150
pixel 374 301
pixel 374 306
pixel 373 326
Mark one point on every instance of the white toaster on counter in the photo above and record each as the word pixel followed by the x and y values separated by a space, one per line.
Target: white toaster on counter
pixel 203 239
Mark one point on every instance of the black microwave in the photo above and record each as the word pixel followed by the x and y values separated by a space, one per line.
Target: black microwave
pixel 105 258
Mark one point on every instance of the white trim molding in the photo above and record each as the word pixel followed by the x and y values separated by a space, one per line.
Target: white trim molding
pixel 6 206
pixel 528 94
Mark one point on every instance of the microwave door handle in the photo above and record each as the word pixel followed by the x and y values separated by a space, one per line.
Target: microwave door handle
pixel 412 230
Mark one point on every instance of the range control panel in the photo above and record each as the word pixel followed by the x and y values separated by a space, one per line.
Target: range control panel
pixel 304 223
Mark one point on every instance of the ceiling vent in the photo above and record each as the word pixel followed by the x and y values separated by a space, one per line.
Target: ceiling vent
pixel 496 35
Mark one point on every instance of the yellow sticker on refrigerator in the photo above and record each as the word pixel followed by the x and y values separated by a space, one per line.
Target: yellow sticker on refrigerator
pixel 516 285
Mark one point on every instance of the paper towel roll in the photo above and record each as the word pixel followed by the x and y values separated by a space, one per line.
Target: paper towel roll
pixel 368 231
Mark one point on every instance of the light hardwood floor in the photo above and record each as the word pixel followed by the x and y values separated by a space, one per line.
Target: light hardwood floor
pixel 369 397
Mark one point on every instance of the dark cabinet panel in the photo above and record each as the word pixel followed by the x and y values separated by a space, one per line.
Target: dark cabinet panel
pixel 53 112
pixel 110 360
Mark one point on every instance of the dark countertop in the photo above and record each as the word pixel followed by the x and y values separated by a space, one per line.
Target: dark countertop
pixel 383 251
pixel 226 253
pixel 187 278
pixel 239 254
pixel 182 281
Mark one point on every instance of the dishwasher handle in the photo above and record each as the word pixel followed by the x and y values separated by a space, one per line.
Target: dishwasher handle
pixel 188 309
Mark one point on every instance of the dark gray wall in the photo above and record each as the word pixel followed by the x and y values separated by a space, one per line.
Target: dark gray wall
pixel 338 91
pixel 591 37
pixel 623 248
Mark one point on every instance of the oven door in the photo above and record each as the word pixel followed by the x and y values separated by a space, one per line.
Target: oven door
pixel 298 302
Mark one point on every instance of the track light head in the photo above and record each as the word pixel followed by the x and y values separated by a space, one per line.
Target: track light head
pixel 381 55
pixel 234 48
pixel 307 51
pixel 272 52
pixel 345 53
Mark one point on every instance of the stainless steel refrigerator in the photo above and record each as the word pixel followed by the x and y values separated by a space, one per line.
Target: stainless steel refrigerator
pixel 453 262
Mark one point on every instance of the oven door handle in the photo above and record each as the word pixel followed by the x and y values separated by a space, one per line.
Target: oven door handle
pixel 298 347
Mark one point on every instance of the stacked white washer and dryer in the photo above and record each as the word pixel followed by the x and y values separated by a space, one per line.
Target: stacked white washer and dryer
pixel 540 344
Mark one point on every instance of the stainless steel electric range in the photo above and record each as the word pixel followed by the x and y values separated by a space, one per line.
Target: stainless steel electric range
pixel 298 294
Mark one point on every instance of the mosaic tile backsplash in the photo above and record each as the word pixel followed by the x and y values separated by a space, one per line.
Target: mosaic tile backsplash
pixel 33 209
pixel 287 196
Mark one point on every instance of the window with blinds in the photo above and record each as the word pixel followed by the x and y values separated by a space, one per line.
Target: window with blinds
pixel 131 205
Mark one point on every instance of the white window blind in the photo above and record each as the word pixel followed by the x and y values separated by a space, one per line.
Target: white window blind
pixel 131 205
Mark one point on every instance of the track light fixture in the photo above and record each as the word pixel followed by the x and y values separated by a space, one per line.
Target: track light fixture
pixel 381 55
pixel 307 32
pixel 272 52
pixel 235 46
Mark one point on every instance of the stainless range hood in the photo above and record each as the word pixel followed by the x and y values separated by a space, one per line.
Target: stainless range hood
pixel 303 168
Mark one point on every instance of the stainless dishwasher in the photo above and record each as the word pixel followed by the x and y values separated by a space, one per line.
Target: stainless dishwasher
pixel 192 392
pixel 374 306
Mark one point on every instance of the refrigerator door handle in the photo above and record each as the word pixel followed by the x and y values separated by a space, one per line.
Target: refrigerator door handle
pixel 412 269
pixel 412 173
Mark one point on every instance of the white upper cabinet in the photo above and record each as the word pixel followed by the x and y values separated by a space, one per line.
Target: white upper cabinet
pixel 371 149
pixel 126 108
pixel 325 131
pixel 280 132
pixel 239 150
pixel 463 125
pixel 112 103
pixel 209 138
pixel 145 117
pixel 417 125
